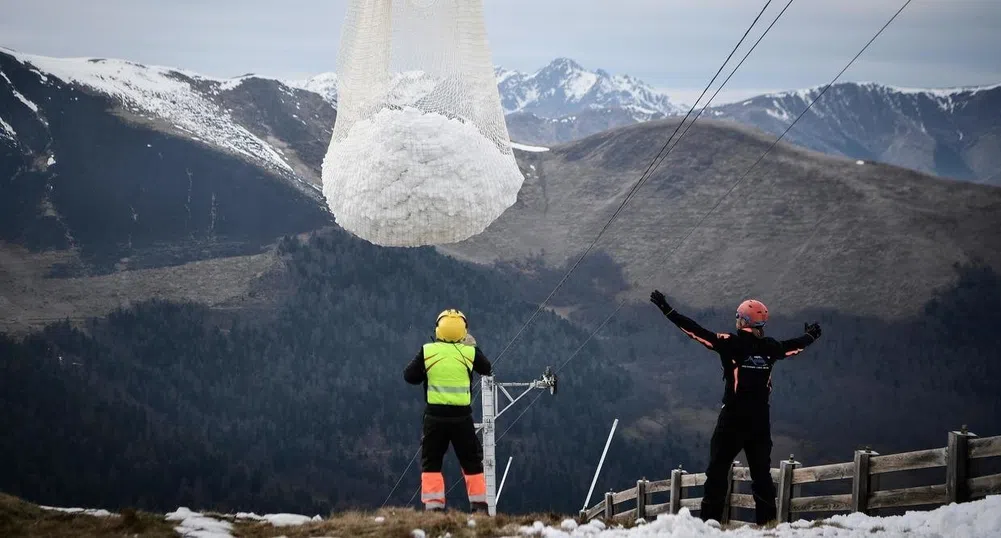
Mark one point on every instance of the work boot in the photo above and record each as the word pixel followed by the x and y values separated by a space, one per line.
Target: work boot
pixel 479 508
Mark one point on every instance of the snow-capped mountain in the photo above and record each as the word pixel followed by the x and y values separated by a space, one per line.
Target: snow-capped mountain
pixel 207 110
pixel 564 88
pixel 558 103
pixel 949 132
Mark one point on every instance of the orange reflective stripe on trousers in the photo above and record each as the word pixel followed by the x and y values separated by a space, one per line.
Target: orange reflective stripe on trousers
pixel 433 488
pixel 476 488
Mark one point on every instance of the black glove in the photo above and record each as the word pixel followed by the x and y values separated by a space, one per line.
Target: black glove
pixel 660 301
pixel 812 329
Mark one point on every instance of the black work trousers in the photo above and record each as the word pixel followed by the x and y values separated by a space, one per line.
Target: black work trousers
pixel 460 432
pixel 748 430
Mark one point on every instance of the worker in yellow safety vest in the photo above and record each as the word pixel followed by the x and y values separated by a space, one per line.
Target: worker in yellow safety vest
pixel 445 367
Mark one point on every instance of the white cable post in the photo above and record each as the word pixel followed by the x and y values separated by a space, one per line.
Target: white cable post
pixel 489 455
pixel 490 393
pixel 600 463
pixel 503 478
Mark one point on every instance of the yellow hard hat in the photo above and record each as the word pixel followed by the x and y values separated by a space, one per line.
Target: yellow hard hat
pixel 451 326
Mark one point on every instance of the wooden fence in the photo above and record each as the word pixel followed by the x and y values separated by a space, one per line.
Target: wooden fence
pixel 864 495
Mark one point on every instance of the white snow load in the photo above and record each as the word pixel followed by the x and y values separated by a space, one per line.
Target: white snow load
pixel 403 177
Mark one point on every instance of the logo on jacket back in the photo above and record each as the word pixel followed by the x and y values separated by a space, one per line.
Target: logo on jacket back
pixel 756 362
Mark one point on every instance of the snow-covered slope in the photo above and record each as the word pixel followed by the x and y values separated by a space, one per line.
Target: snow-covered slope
pixel 324 84
pixel 177 101
pixel 949 132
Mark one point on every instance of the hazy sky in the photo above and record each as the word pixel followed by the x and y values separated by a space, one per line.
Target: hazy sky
pixel 675 45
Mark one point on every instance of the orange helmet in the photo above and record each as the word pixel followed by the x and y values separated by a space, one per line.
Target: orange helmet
pixel 753 312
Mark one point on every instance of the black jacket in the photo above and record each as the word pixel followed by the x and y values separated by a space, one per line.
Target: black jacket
pixel 416 374
pixel 746 360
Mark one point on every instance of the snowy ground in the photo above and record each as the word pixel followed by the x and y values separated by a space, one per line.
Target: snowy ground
pixel 978 519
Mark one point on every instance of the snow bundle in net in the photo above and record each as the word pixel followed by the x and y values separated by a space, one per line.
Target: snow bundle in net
pixel 420 153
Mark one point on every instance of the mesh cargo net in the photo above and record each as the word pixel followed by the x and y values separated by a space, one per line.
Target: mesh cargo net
pixel 420 153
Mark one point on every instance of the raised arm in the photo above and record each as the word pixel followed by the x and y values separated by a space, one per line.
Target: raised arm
pixel 481 364
pixel 687 325
pixel 795 346
pixel 414 373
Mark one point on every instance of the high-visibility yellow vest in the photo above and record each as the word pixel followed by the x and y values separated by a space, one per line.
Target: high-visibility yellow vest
pixel 448 368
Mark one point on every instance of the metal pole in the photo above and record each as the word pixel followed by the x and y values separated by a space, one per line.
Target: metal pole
pixel 503 478
pixel 489 399
pixel 600 463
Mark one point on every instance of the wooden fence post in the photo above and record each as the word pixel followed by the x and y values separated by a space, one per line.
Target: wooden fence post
pixel 786 469
pixel 641 498
pixel 861 481
pixel 729 491
pixel 676 491
pixel 609 507
pixel 957 469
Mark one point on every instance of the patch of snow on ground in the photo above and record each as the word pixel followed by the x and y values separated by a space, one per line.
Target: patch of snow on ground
pixel 159 91
pixel 195 525
pixel 86 511
pixel 51 161
pixel 7 131
pixel 860 163
pixel 406 178
pixel 524 147
pixel 279 520
pixel 969 520
pixel 289 520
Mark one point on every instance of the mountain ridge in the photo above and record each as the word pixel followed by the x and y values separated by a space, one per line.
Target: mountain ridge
pixel 946 131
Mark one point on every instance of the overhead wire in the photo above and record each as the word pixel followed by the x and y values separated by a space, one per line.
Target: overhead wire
pixel 629 195
pixel 770 148
pixel 661 155
pixel 714 207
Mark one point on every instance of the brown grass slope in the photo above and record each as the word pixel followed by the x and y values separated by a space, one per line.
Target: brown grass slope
pixel 21 519
pixel 801 230
pixel 31 298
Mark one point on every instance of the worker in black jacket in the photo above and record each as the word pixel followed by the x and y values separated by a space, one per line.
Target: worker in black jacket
pixel 445 367
pixel 747 358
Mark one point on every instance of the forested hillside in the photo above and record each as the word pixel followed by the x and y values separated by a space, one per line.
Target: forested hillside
pixel 167 404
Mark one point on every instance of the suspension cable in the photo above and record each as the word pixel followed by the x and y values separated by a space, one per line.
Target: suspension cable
pixel 630 194
pixel 623 302
pixel 655 163
pixel 642 179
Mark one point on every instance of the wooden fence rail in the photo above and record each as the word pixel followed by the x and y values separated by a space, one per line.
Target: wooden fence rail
pixel 959 486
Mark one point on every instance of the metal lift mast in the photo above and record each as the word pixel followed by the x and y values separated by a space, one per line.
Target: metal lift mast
pixel 491 392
